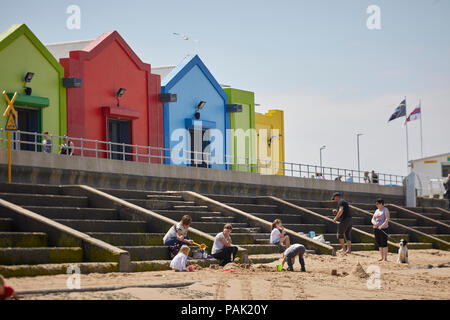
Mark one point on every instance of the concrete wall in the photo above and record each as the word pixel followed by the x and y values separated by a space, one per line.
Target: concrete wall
pixel 58 169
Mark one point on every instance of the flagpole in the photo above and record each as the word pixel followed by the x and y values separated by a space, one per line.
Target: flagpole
pixel 421 135
pixel 407 143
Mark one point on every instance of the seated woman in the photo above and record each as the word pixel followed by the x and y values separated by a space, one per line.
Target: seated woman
pixel 222 249
pixel 177 234
pixel 278 235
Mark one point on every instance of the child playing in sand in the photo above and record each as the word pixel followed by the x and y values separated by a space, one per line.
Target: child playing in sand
pixel 290 254
pixel 179 262
pixel 278 235
pixel 6 293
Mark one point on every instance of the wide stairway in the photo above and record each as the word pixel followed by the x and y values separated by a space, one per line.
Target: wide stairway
pixel 415 223
pixel 432 213
pixel 291 220
pixel 105 224
pixel 363 222
pixel 172 205
pixel 23 245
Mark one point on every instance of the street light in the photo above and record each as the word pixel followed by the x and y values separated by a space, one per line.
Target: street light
pixel 321 167
pixel 357 147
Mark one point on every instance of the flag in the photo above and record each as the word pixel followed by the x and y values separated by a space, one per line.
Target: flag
pixel 400 111
pixel 414 115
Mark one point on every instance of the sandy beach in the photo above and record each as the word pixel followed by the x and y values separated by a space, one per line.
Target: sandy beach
pixel 349 281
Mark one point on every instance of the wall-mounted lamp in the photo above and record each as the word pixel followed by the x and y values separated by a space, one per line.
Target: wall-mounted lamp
pixel 200 106
pixel 28 77
pixel 119 95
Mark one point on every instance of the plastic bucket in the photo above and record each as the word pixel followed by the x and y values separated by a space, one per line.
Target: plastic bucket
pixel 279 267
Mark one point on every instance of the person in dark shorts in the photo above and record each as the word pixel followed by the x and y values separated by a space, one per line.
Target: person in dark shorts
pixel 380 221
pixel 290 254
pixel 344 217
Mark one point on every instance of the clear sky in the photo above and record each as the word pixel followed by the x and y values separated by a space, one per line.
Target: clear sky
pixel 316 60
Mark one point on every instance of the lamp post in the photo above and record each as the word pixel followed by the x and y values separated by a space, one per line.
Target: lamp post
pixel 321 167
pixel 357 147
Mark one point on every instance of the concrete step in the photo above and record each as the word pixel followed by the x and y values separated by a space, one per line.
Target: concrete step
pixel 159 205
pixel 178 214
pixel 355 220
pixel 75 213
pixel 160 265
pixel 286 218
pixel 164 197
pixel 264 258
pixel 261 248
pixel 245 230
pixel 406 221
pixel 306 203
pixel 6 224
pixel 22 239
pixel 13 256
pixel 145 253
pixel 104 225
pixel 434 215
pixel 262 241
pixel 191 207
pixel 259 208
pixel 247 238
pixel 419 245
pixel 231 199
pixel 445 237
pixel 45 200
pixel 217 219
pixel 426 229
pixel 356 246
pixel 26 270
pixel 215 227
pixel 317 228
pixel 129 239
pixel 131 194
pixel 25 188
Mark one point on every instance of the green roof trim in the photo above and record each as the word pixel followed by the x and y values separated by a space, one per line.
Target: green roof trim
pixel 29 101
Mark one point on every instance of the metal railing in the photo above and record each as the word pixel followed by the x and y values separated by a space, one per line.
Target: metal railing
pixel 32 141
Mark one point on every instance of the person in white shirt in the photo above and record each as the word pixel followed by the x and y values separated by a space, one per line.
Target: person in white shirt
pixel 380 222
pixel 222 249
pixel 179 262
pixel 177 234
pixel 278 235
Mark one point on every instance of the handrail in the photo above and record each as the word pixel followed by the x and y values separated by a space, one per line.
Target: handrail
pixel 130 152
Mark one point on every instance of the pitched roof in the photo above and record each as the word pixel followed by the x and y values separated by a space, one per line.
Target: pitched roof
pixel 96 46
pixel 184 67
pixel 17 30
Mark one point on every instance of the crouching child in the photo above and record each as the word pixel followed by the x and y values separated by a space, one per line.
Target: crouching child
pixel 180 261
pixel 290 254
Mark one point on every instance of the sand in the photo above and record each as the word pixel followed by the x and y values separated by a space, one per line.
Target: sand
pixel 349 281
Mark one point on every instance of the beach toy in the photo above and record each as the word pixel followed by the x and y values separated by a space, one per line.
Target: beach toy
pixel 312 234
pixel 280 267
pixel 190 268
pixel 201 246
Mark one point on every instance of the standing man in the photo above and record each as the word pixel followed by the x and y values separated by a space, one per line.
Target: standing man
pixel 447 190
pixel 47 143
pixel 345 222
